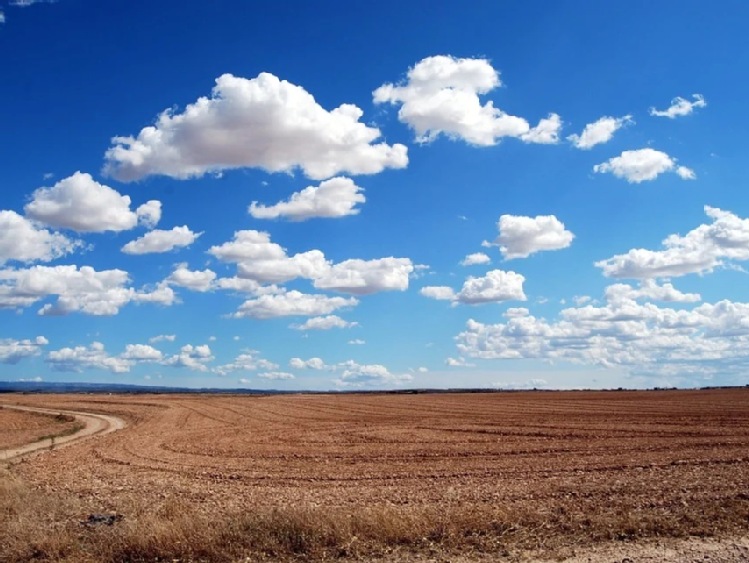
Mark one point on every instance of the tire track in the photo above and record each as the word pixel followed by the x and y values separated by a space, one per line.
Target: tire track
pixel 93 425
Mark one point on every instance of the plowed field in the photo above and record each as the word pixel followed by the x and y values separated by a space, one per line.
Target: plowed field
pixel 495 473
pixel 19 427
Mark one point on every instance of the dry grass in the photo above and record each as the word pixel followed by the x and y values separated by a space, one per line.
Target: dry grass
pixel 225 479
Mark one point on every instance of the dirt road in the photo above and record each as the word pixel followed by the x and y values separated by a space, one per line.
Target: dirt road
pixel 93 424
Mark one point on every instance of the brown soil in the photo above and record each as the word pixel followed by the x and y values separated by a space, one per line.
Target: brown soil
pixel 503 475
pixel 23 427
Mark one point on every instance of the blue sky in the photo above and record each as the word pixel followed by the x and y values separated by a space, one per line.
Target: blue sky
pixel 328 196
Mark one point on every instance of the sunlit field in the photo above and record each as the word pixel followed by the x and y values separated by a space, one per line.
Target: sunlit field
pixel 223 478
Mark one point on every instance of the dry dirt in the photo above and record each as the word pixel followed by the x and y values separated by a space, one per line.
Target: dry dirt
pixel 515 476
pixel 23 427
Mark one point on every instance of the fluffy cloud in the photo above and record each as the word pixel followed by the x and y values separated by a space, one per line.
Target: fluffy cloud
pixel 441 96
pixel 496 286
pixel 191 357
pixel 546 132
pixel 161 241
pixel 519 236
pixel 82 290
pixel 642 337
pixel 458 362
pixel 247 361
pixel 276 375
pixel 336 197
pixel 80 203
pixel 292 303
pixel 700 250
pixel 192 279
pixel 263 261
pixel 23 241
pixel 649 290
pixel 259 259
pixel 643 164
pixel 87 357
pixel 362 277
pixel 262 122
pixel 680 107
pixel 599 132
pixel 312 363
pixel 475 259
pixel 142 353
pixel 149 214
pixel 13 351
pixel 354 374
pixel 163 338
pixel 324 323
pixel 240 285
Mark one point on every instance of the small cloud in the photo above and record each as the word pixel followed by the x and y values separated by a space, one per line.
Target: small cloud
pixel 162 338
pixel 357 342
pixel 477 258
pixel 680 107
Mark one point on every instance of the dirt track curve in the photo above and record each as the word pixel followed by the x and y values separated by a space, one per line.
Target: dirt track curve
pixel 93 425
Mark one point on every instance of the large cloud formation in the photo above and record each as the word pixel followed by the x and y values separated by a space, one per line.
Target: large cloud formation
pixel 263 261
pixel 83 290
pixel 701 250
pixel 641 336
pixel 262 122
pixel 441 96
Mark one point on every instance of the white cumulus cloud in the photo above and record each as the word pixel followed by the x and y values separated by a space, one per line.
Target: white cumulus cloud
pixel 23 241
pixel 292 303
pixel 474 259
pixel 276 375
pixel 83 289
pixel 312 363
pixel 496 286
pixel 353 374
pixel 161 241
pixel 441 96
pixel 643 164
pixel 701 250
pixel 324 323
pixel 82 204
pixel 520 236
pixel 195 280
pixel 362 277
pixel 79 358
pixel 680 107
pixel 599 132
pixel 247 361
pixel 262 122
pixel 629 331
pixel 336 197
pixel 191 357
pixel 259 259
pixel 13 351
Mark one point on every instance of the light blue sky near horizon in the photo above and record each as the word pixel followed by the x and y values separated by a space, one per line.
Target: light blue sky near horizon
pixel 78 73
